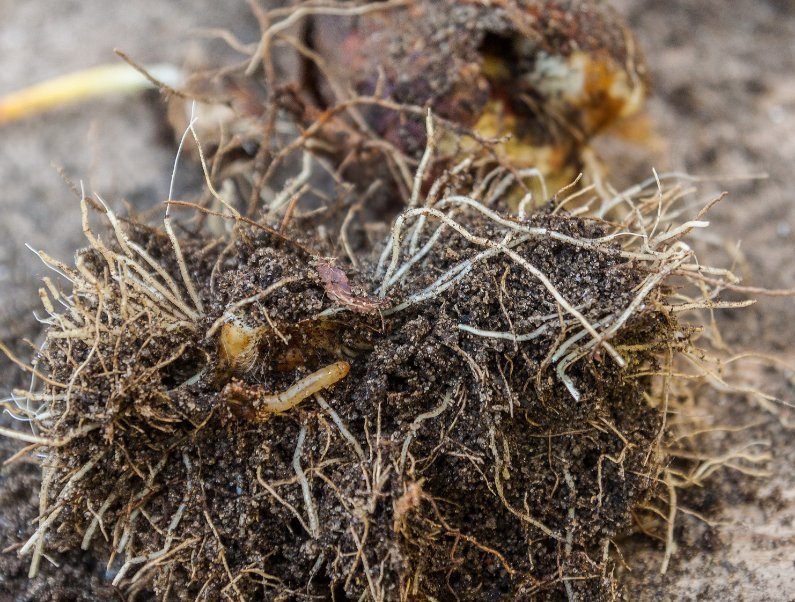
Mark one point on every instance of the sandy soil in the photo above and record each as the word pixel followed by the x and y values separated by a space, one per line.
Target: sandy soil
pixel 725 102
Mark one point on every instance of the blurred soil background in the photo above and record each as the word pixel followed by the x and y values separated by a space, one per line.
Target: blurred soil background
pixel 724 103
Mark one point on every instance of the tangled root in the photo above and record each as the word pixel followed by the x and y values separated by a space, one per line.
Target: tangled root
pixel 488 424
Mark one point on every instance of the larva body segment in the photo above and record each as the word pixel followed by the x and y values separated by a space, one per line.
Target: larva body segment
pixel 255 404
pixel 307 386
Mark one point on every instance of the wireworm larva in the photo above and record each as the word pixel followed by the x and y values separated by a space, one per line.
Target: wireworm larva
pixel 255 404
pixel 309 385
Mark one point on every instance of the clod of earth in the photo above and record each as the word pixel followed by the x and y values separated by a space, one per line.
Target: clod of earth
pixel 480 430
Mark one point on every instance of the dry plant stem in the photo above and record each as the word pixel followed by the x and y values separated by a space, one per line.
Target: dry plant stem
pixel 20 453
pixel 749 290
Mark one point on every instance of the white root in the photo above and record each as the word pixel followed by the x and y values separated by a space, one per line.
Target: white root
pixel 419 176
pixel 128 246
pixel 335 418
pixel 501 247
pixel 183 268
pixel 161 555
pixel 670 543
pixel 314 524
pixel 506 336
pixel 415 258
pixel 450 277
pixel 594 244
pixel 97 521
pixel 282 501
pixel 415 426
pixel 661 250
pixel 37 538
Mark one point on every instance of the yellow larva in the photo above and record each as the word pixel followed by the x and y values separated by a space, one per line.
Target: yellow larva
pixel 309 385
